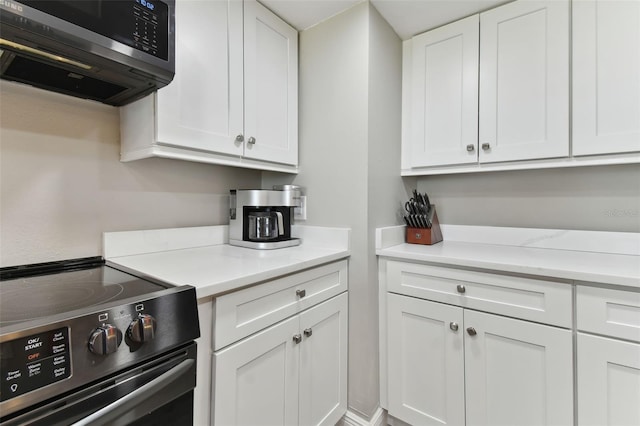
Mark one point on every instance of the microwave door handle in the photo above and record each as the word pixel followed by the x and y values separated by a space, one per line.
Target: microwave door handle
pixel 280 223
pixel 123 405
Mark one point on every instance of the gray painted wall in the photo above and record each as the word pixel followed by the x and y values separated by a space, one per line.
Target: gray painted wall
pixel 62 184
pixel 350 105
pixel 602 198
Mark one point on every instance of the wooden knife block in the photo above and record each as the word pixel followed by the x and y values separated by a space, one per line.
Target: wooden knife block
pixel 427 236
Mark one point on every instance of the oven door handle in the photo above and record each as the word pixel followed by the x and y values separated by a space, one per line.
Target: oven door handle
pixel 128 402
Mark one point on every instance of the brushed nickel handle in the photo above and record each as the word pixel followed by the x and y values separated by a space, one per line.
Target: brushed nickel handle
pixel 308 332
pixel 471 147
pixel 453 326
pixel 251 141
pixel 301 293
pixel 486 147
pixel 297 338
pixel 472 331
pixel 461 288
pixel 240 138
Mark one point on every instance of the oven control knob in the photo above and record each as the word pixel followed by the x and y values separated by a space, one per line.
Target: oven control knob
pixel 105 339
pixel 142 329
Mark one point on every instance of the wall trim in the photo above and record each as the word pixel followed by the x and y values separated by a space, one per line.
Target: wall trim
pixel 352 419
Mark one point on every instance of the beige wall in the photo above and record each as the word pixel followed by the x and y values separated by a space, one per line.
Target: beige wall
pixel 350 80
pixel 603 198
pixel 62 184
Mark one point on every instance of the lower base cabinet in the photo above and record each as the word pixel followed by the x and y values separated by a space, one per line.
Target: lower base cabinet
pixel 294 372
pixel 453 366
pixel 608 381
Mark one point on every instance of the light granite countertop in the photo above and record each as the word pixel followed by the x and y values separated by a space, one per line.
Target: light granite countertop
pixel 581 256
pixel 200 257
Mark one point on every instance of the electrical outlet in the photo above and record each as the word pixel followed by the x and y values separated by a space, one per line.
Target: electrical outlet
pixel 300 213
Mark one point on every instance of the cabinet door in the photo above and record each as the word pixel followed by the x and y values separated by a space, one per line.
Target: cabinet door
pixel 524 81
pixel 608 381
pixel 425 361
pixel 445 95
pixel 517 372
pixel 271 86
pixel 606 76
pixel 202 107
pixel 323 363
pixel 256 380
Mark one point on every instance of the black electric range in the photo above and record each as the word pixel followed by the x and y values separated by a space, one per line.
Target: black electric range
pixel 77 330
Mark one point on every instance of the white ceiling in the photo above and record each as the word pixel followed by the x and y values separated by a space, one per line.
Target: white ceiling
pixel 407 17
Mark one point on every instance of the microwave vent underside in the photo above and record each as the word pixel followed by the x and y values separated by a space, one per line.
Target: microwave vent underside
pixel 43 75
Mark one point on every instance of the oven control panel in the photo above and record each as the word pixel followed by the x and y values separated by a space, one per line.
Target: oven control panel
pixel 34 361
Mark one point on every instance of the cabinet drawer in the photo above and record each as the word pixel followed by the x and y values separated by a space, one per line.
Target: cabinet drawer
pixel 247 311
pixel 542 301
pixel 613 313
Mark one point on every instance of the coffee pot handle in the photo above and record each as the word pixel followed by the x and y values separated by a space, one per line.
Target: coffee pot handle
pixel 280 223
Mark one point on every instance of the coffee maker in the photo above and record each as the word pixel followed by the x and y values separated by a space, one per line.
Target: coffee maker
pixel 261 218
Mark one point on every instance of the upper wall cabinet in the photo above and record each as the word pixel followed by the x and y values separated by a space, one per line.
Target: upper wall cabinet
pixel 234 99
pixel 606 76
pixel 524 81
pixel 444 95
pixel 519 54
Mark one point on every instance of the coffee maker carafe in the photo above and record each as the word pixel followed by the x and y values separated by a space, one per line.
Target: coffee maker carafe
pixel 262 219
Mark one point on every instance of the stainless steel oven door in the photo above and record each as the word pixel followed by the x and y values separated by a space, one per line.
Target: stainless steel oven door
pixel 159 391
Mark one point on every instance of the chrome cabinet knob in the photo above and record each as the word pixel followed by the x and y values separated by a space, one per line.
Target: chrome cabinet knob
pixel 486 146
pixel 105 340
pixel 453 326
pixel 301 293
pixel 308 332
pixel 297 338
pixel 142 329
pixel 461 288
pixel 240 138
pixel 472 331
pixel 251 141
pixel 471 147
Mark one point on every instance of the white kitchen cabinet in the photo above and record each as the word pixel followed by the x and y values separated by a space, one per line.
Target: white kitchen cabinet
pixel 271 86
pixel 256 380
pixel 489 89
pixel 524 81
pixel 444 95
pixel 516 372
pixel 538 300
pixel 323 363
pixel 608 367
pixel 449 363
pixel 608 381
pixel 244 312
pixel 606 76
pixel 233 100
pixel 294 372
pixel 425 361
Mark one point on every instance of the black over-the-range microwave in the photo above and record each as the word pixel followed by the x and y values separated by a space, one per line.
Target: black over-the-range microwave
pixel 112 51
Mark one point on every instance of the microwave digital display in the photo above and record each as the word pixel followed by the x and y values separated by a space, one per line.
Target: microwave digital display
pixel 141 24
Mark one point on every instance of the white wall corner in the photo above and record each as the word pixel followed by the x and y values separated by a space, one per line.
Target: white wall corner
pixel 379 418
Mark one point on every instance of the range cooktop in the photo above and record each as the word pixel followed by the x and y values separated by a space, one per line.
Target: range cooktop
pixel 43 290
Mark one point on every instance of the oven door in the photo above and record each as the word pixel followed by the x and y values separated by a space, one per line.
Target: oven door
pixel 160 391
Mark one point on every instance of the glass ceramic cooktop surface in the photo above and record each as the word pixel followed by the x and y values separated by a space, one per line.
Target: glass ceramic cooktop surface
pixel 28 298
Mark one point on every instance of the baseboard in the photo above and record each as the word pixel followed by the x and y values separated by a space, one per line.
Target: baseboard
pixel 379 418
